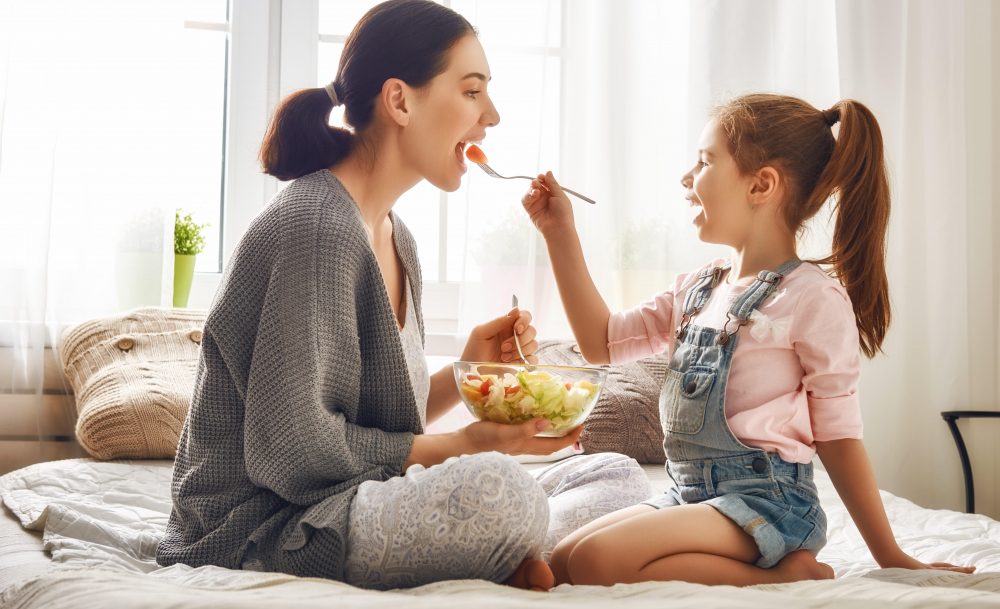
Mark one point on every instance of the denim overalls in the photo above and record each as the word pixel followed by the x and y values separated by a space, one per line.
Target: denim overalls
pixel 772 500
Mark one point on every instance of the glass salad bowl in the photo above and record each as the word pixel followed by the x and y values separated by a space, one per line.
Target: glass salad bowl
pixel 515 393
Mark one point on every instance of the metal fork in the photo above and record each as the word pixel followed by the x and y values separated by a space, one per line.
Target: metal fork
pixel 517 343
pixel 492 173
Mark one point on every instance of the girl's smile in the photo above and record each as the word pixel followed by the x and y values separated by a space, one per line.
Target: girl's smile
pixel 717 192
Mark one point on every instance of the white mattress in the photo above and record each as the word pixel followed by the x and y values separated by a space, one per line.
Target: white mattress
pixel 21 552
pixel 101 521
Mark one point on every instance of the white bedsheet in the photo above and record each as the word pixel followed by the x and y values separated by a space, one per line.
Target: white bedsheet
pixel 101 522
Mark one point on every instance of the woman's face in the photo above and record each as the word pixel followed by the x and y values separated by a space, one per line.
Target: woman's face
pixel 450 112
pixel 717 192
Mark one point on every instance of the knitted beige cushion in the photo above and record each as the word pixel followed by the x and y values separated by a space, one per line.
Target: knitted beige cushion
pixel 133 376
pixel 626 418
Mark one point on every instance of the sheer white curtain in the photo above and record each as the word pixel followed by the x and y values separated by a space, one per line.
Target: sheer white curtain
pixel 493 248
pixel 924 68
pixel 97 148
pixel 638 80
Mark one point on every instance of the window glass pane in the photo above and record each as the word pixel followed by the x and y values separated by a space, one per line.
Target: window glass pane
pixel 201 100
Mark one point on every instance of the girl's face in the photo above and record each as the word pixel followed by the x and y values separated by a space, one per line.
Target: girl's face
pixel 452 111
pixel 717 191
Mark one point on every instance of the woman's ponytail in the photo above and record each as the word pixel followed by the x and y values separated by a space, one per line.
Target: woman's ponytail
pixel 300 140
pixel 856 174
pixel 404 39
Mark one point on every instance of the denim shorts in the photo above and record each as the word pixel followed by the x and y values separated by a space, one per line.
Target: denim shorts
pixel 774 501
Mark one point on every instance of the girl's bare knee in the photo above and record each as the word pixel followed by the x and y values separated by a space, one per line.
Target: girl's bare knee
pixel 593 561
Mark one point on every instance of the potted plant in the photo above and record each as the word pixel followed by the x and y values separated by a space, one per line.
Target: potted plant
pixel 188 243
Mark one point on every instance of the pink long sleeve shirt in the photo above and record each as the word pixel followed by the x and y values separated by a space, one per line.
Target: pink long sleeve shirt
pixel 794 374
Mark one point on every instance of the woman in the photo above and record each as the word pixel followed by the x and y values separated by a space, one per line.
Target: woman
pixel 312 390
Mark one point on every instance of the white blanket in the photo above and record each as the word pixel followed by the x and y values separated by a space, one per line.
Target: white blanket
pixel 101 523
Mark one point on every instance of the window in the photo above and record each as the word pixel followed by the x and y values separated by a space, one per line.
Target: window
pixel 111 115
pixel 251 85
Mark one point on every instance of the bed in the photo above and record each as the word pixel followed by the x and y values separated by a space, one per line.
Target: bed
pixel 82 533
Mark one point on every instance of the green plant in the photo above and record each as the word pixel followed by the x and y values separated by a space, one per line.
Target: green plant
pixel 188 237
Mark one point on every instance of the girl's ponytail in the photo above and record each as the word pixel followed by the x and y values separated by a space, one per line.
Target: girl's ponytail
pixel 300 140
pixel 856 174
pixel 790 134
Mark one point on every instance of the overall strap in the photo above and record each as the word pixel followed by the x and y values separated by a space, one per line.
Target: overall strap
pixel 766 281
pixel 699 294
pixel 747 302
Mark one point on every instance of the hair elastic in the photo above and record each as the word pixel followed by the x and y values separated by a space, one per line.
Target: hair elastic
pixel 331 90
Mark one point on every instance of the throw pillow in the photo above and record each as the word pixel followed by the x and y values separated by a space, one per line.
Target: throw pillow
pixel 133 376
pixel 626 418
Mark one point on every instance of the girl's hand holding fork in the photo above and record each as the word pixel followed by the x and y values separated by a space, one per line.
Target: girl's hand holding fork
pixel 549 207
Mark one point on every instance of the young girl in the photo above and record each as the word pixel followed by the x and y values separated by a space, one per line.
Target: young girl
pixel 764 354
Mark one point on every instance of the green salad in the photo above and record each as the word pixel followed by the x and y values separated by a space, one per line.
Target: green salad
pixel 529 394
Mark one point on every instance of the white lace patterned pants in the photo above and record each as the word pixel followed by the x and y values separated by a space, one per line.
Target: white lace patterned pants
pixel 479 516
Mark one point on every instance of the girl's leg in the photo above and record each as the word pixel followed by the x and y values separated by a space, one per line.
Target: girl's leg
pixel 562 551
pixel 474 517
pixel 693 543
pixel 584 488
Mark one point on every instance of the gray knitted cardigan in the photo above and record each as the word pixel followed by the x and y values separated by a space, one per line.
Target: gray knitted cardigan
pixel 301 392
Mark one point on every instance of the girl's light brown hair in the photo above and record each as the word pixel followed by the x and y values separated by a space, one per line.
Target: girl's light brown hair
pixel 797 140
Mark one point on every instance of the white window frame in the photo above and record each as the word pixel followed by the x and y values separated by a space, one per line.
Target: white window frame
pixel 261 71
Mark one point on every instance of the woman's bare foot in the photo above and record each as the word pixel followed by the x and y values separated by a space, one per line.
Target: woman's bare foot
pixel 532 574
pixel 801 565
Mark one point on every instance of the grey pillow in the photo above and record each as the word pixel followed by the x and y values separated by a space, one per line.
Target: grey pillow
pixel 626 418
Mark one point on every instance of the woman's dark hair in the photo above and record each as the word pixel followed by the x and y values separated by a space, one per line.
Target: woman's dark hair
pixel 404 39
pixel 797 139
